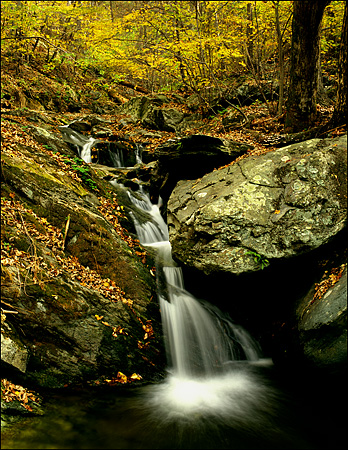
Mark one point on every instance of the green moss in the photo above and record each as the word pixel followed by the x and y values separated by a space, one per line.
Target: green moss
pixel 49 174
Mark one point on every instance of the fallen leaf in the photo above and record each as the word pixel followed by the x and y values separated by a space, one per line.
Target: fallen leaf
pixel 121 377
pixel 135 376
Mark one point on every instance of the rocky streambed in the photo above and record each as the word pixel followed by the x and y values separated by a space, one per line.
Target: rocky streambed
pixel 263 237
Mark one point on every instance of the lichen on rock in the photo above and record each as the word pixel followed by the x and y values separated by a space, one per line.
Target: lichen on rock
pixel 279 205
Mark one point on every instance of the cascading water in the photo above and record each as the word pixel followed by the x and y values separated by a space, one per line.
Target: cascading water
pixel 116 157
pixel 138 153
pixel 201 341
pixel 84 144
pixel 204 347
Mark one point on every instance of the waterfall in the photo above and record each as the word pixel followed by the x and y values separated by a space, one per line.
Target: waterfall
pixel 210 358
pixel 116 157
pixel 201 341
pixel 83 144
pixel 205 348
pixel 138 153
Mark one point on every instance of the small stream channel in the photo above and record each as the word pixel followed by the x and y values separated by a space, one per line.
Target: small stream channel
pixel 216 400
pixel 274 409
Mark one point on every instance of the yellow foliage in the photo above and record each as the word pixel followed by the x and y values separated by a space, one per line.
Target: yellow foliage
pixel 158 42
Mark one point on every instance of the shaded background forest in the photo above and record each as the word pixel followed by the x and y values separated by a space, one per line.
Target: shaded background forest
pixel 204 47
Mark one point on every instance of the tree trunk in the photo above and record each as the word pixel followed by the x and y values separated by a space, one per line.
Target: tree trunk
pixel 280 58
pixel 340 112
pixel 112 10
pixel 249 36
pixel 133 86
pixel 302 98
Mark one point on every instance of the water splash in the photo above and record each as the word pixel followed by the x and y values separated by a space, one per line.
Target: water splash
pixel 83 144
pixel 209 356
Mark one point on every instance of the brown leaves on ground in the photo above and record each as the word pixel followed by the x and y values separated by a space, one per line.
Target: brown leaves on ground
pixel 120 378
pixel 329 280
pixel 112 211
pixel 11 392
pixel 13 134
pixel 118 330
pixel 13 214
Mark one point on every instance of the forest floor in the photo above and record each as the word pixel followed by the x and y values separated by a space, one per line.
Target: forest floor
pixel 53 94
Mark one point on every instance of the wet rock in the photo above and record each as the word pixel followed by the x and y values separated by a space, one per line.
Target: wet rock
pixel 322 326
pixel 277 205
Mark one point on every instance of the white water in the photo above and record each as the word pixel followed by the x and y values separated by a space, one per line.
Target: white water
pixel 208 355
pixel 200 339
pixel 138 153
pixel 84 144
pixel 203 345
pixel 116 157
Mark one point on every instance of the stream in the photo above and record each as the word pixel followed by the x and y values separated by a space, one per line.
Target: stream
pixel 267 408
pixel 219 393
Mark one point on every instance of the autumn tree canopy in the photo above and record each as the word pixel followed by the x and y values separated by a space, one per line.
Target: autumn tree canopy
pixel 202 47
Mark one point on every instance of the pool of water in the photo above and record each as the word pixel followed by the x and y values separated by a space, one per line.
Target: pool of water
pixel 254 407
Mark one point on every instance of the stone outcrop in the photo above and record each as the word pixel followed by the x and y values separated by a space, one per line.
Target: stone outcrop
pixel 322 324
pixel 278 205
pixel 154 114
pixel 13 352
pixel 77 285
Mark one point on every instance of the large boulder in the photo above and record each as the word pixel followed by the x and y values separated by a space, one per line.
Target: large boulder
pixel 278 205
pixel 162 119
pixel 149 111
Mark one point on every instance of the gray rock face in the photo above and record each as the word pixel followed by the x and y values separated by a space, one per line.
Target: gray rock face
pixel 167 119
pixel 278 205
pixel 13 352
pixel 145 110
